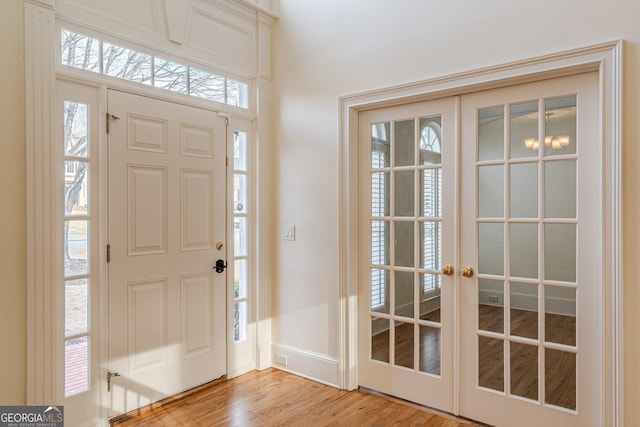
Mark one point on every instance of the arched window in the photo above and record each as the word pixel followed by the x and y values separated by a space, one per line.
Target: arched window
pixel 431 154
pixel 430 137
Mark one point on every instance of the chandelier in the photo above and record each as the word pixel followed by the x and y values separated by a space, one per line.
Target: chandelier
pixel 555 142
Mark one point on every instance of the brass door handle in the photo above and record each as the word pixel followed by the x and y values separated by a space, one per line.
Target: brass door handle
pixel 447 270
pixel 467 272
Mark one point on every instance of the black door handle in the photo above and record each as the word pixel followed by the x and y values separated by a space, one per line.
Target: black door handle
pixel 220 266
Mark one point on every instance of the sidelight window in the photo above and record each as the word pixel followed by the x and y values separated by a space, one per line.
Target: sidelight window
pixel 76 231
pixel 240 236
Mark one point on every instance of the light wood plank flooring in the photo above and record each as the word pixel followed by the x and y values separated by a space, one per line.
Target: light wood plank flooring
pixel 560 372
pixel 276 398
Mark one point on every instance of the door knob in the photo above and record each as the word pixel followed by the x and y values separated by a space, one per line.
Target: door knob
pixel 467 272
pixel 447 270
pixel 220 266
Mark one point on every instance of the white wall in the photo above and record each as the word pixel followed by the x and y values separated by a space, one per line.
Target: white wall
pixel 329 48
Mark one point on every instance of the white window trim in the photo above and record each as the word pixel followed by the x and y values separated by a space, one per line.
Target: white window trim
pixel 606 59
pixel 41 71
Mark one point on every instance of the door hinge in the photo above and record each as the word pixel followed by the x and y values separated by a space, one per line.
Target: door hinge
pixel 108 253
pixel 109 118
pixel 109 375
pixel 227 161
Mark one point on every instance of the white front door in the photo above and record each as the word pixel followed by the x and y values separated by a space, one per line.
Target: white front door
pixel 509 202
pixel 167 193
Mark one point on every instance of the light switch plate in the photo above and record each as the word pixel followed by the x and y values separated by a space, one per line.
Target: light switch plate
pixel 289 232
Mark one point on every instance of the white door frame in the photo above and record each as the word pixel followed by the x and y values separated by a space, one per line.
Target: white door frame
pixel 604 58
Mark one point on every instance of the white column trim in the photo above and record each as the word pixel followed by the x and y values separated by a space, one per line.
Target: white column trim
pixel 264 224
pixel 604 58
pixel 611 82
pixel 39 20
pixel 263 217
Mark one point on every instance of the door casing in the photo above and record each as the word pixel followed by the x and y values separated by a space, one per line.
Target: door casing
pixel 41 43
pixel 604 58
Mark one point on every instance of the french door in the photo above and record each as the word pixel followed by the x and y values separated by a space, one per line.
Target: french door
pixel 406 337
pixel 167 209
pixel 481 254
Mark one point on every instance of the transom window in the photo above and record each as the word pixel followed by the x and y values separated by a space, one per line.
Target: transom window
pixel 90 54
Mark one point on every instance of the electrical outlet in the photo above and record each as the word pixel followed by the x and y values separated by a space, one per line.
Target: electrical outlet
pixel 282 360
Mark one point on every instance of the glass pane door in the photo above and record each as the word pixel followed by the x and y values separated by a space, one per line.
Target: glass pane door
pixel 528 224
pixel 408 317
pixel 517 290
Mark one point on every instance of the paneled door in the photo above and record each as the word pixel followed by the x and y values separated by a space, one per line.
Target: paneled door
pixel 481 254
pixel 167 330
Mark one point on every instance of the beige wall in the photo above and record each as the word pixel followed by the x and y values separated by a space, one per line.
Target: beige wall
pixel 329 48
pixel 13 289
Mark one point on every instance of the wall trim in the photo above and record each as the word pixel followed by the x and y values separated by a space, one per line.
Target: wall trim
pixel 48 4
pixel 92 79
pixel 264 223
pixel 308 364
pixel 606 59
pixel 41 269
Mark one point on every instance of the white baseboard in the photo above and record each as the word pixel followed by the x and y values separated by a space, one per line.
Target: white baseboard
pixel 561 306
pixel 314 366
pixel 240 370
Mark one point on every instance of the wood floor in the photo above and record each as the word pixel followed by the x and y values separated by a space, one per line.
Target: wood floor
pixel 560 366
pixel 277 398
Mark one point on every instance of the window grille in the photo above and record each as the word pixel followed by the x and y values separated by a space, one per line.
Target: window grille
pixel 378 247
pixel 90 54
pixel 432 185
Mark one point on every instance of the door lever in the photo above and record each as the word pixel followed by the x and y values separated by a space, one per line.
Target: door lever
pixel 220 266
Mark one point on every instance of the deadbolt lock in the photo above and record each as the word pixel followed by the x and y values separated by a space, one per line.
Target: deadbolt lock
pixel 467 272
pixel 448 270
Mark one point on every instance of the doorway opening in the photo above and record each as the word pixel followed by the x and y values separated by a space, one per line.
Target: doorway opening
pixel 603 59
